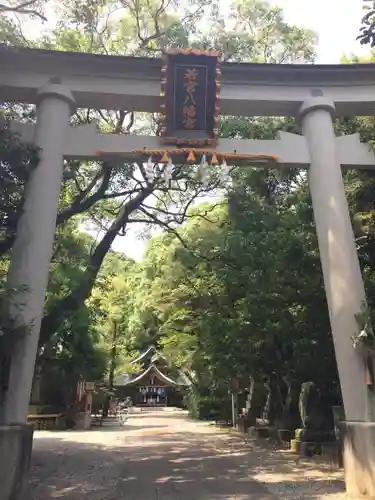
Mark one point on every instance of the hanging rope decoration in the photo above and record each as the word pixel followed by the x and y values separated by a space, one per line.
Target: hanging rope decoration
pixel 201 157
pixel 192 155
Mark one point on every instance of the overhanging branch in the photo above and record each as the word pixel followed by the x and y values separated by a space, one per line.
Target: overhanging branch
pixel 174 231
pixel 23 8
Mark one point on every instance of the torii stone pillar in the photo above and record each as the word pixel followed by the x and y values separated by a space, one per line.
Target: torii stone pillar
pixel 32 250
pixel 344 289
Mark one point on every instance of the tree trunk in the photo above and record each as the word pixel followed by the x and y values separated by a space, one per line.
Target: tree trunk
pixel 72 302
pixel 273 406
pixel 256 400
pixel 112 368
pixel 4 379
pixel 290 418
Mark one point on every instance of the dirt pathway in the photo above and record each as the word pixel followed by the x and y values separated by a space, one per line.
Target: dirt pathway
pixel 153 457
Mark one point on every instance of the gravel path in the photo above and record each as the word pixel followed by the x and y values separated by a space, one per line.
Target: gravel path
pixel 156 457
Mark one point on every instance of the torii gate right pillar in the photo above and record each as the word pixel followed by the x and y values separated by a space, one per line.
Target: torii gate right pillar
pixel 344 290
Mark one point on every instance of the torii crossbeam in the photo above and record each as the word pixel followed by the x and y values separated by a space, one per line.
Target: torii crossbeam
pixel 84 142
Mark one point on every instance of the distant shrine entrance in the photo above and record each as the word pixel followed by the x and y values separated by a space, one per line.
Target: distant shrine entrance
pixel 157 384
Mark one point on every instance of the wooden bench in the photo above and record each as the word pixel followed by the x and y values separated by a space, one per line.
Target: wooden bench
pixel 47 421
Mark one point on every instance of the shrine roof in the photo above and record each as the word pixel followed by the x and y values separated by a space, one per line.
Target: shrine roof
pixel 157 355
pixel 143 355
pixel 151 368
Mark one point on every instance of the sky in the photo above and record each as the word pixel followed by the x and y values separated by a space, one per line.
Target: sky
pixel 336 22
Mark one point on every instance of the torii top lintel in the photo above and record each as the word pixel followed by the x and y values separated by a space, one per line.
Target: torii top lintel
pixel 115 82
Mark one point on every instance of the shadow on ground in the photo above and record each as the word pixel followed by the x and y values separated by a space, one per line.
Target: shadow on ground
pixel 154 465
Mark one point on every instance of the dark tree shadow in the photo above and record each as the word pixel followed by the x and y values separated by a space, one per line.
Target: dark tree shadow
pixel 162 466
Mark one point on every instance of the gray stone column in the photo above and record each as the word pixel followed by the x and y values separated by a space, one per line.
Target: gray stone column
pixel 359 459
pixel 342 275
pixel 32 250
pixel 15 453
pixel 345 293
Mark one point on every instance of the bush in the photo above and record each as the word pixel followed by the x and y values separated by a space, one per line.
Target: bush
pixel 210 407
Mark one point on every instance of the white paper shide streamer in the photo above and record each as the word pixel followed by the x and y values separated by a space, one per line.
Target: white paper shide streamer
pixel 203 171
pixel 168 171
pixel 225 178
pixel 150 176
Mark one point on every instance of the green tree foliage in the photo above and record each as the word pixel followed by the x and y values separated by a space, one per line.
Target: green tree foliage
pixel 81 348
pixel 16 162
pixel 111 195
pixel 360 186
pixel 249 308
pixel 367 30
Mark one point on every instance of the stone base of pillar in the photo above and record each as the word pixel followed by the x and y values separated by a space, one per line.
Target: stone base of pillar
pixel 16 443
pixel 82 421
pixel 359 459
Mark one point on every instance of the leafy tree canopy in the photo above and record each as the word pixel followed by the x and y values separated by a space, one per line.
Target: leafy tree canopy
pixel 367 30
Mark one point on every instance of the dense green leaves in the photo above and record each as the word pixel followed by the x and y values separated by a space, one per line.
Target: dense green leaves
pixel 16 162
pixel 367 30
pixel 255 292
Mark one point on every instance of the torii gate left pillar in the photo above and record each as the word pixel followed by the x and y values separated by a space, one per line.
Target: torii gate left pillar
pixel 28 278
pixel 32 250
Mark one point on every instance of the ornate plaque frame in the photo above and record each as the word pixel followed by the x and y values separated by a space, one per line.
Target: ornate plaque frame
pixel 190 88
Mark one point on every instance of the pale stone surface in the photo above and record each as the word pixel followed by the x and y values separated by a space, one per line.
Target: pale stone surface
pixel 15 450
pixel 359 459
pixel 168 457
pixel 32 249
pixel 338 254
pixel 83 421
pixel 84 142
pixel 114 82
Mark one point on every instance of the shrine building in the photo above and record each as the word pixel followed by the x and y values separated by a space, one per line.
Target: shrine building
pixel 157 384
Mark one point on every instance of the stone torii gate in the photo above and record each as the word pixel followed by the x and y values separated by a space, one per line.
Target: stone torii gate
pixel 59 81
